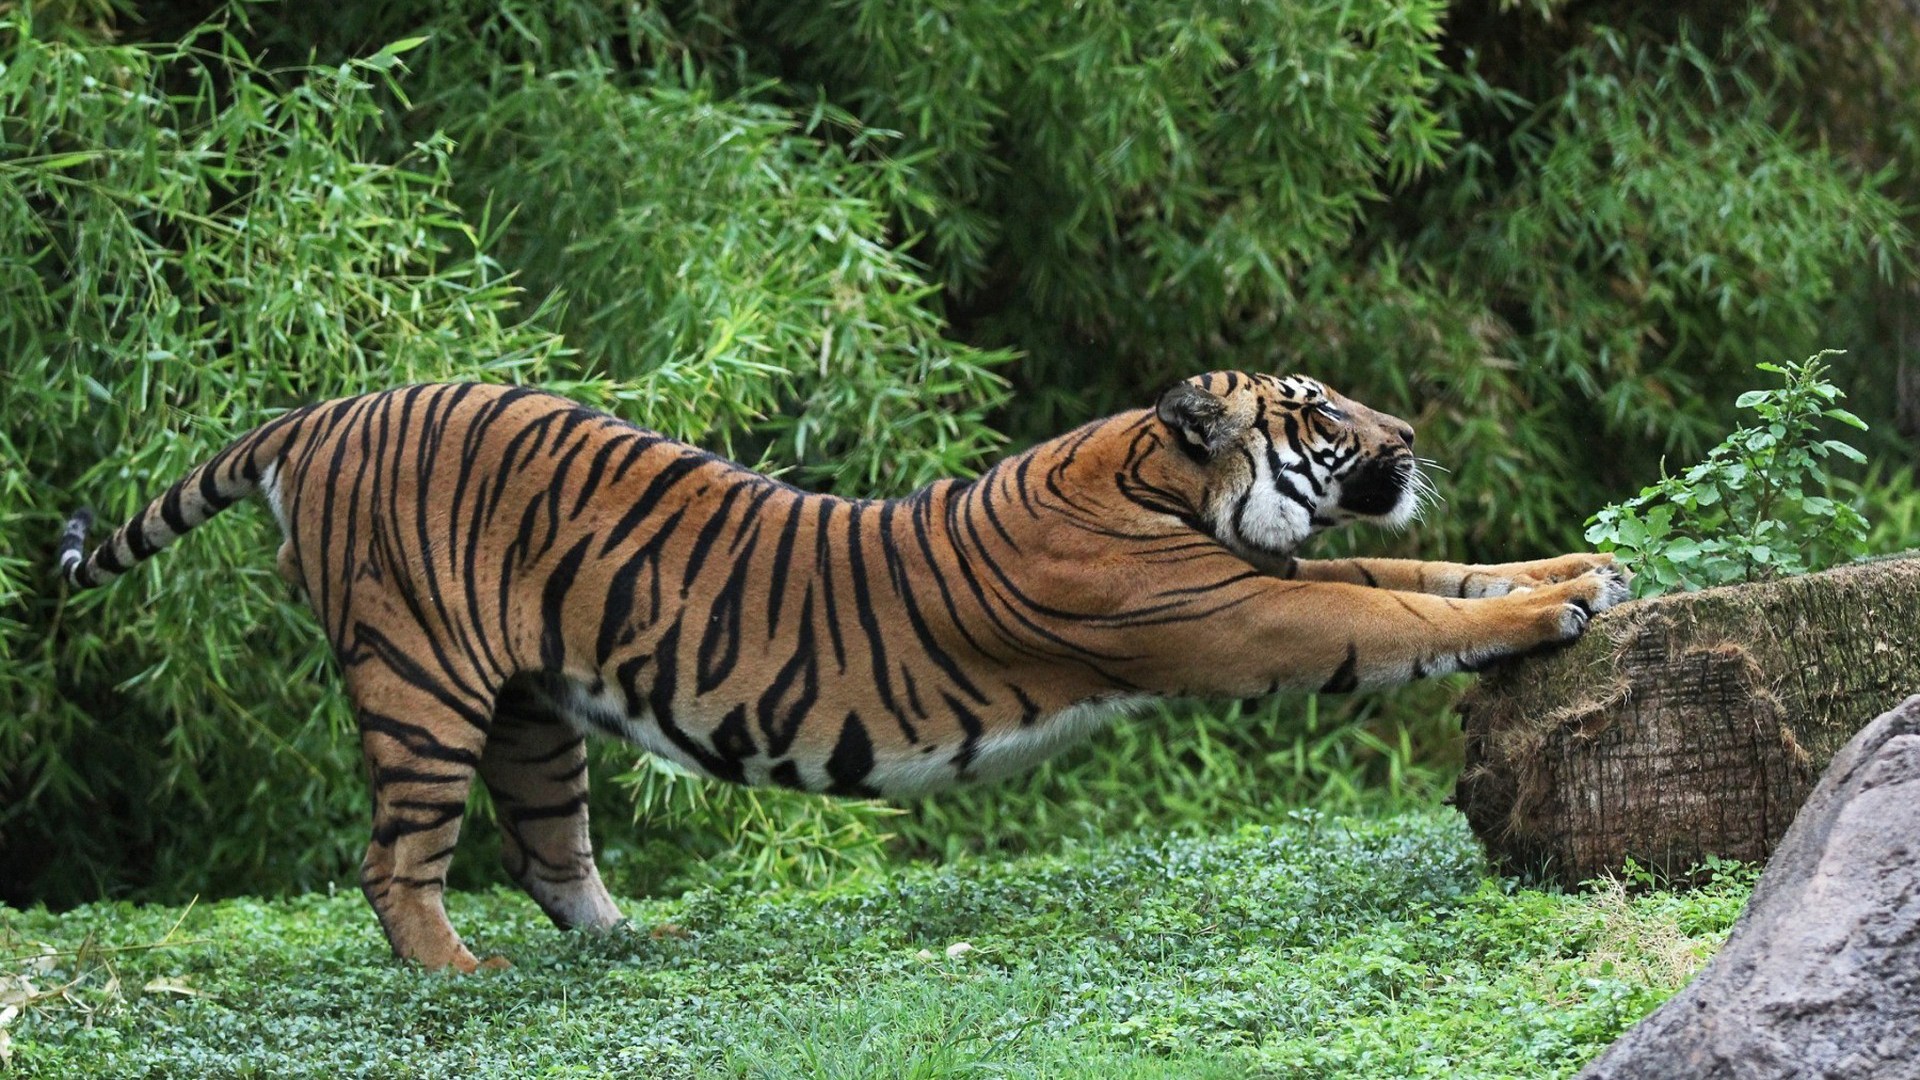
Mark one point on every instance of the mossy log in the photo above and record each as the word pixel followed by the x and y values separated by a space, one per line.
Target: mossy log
pixel 1686 726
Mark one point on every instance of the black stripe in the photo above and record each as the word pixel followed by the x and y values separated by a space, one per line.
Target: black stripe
pixel 663 482
pixel 592 483
pixel 633 454
pixel 790 696
pixel 851 760
pixel 553 602
pixel 1347 677
pixel 777 571
pixel 623 591
pixel 823 573
pixel 971 725
pixel 720 642
pixel 138 542
pixel 750 516
pixel 733 740
pixel 708 536
pixel 410 671
pixel 106 559
pixel 416 739
pixel 863 611
pixel 896 568
pixel 660 703
pixel 1029 708
pixel 171 510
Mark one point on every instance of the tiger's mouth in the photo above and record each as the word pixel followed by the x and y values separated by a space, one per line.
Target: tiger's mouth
pixel 1390 491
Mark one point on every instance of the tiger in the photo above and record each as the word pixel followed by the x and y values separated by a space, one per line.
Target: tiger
pixel 502 572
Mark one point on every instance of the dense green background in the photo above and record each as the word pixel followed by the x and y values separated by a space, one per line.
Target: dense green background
pixel 874 241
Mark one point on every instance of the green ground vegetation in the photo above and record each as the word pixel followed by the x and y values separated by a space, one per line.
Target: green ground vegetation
pixel 1323 946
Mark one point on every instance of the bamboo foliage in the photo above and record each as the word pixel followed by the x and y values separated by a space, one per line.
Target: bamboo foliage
pixel 205 241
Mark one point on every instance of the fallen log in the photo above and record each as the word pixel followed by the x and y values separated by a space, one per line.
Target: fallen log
pixel 1684 726
pixel 1820 976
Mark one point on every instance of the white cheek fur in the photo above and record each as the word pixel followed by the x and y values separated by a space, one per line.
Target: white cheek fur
pixel 1267 521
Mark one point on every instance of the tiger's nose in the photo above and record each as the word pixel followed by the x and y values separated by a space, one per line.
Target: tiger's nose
pixel 1405 431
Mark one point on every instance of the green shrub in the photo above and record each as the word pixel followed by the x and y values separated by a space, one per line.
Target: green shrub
pixel 1759 506
pixel 1133 172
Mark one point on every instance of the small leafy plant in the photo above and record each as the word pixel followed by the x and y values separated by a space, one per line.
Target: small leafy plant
pixel 1756 508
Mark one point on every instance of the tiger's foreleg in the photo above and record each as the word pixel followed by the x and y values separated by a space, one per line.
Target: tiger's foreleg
pixel 1459 580
pixel 535 766
pixel 1334 637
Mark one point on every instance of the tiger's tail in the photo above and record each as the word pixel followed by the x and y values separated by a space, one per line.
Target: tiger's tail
pixel 225 479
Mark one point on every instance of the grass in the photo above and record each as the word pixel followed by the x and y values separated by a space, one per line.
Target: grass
pixel 1321 947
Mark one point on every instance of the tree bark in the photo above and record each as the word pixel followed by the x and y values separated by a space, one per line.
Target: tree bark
pixel 1684 726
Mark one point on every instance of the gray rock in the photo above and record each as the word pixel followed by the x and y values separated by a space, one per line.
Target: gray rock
pixel 1820 976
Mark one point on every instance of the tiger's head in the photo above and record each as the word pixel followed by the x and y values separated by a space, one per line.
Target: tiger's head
pixel 1283 457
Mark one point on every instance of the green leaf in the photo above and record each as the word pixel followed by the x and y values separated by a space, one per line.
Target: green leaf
pixel 1632 532
pixel 388 58
pixel 1659 522
pixel 1682 551
pixel 63 161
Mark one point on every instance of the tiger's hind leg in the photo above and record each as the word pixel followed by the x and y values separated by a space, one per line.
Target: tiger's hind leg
pixel 287 564
pixel 422 746
pixel 535 767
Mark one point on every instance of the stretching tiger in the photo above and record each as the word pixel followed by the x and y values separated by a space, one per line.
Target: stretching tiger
pixel 501 571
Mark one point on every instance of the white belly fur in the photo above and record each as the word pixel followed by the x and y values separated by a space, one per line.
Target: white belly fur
pixel 1002 753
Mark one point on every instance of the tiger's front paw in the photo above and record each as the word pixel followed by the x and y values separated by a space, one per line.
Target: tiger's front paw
pixel 1581 598
pixel 1563 568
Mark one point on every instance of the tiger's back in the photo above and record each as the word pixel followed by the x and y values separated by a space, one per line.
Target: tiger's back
pixel 501 571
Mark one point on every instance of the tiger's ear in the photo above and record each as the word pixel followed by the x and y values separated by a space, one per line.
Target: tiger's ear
pixel 1200 419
